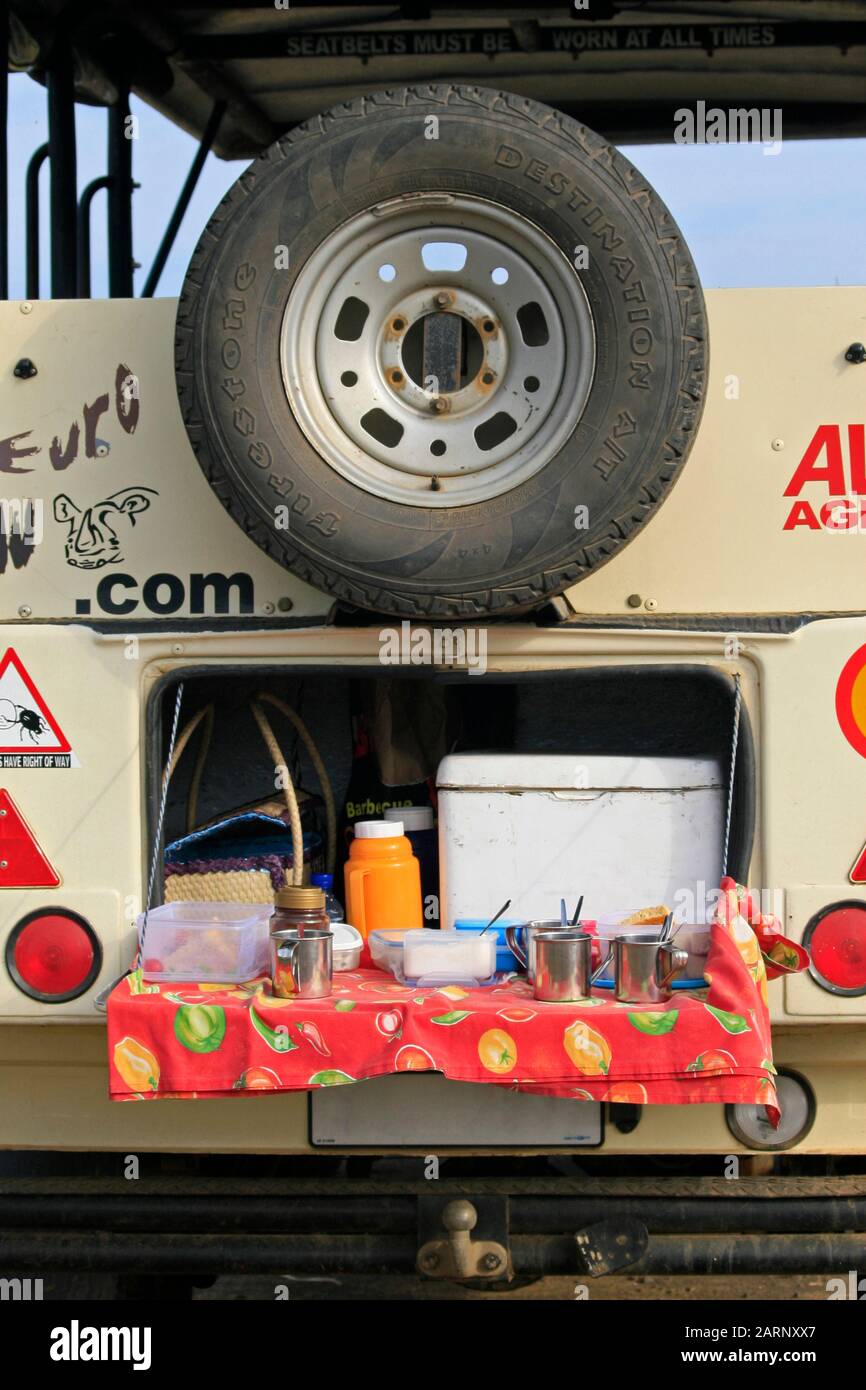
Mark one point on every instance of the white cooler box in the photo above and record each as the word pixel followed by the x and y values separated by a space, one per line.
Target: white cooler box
pixel 536 827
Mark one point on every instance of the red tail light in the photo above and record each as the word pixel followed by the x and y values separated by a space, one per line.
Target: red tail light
pixel 836 940
pixel 53 955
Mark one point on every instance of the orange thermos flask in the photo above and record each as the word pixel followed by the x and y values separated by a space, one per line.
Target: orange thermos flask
pixel 383 878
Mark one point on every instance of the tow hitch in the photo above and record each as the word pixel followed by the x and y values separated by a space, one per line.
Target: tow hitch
pixel 449 1249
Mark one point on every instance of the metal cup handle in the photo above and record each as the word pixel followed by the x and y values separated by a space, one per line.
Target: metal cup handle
pixel 679 960
pixel 286 954
pixel 515 947
pixel 596 974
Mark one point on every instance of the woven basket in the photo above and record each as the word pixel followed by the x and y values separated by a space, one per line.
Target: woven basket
pixel 253 877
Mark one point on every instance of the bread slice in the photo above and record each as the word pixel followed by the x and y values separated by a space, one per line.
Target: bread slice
pixel 647 917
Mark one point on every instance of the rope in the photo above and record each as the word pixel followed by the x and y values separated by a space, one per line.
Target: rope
pixel 206 713
pixel 198 770
pixel 321 773
pixel 276 753
pixel 734 741
pixel 166 778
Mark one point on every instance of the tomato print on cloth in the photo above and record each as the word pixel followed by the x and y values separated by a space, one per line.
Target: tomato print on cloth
pixel 706 1046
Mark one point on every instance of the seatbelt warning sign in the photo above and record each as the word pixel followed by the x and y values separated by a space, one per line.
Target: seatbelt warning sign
pixel 22 862
pixel 30 736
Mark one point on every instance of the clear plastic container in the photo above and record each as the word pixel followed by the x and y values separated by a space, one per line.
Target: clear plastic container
pixel 347 946
pixel 428 957
pixel 386 949
pixel 224 943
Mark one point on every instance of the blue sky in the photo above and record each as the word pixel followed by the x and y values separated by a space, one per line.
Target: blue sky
pixel 750 219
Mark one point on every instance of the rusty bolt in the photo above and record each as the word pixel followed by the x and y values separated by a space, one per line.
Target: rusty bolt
pixel 439 405
pixel 491 1262
pixel 443 299
pixel 430 1260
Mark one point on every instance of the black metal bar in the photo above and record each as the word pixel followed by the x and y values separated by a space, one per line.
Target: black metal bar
pixel 64 186
pixel 4 150
pixel 84 204
pixel 388 1213
pixel 201 154
pixel 120 266
pixel 536 1256
pixel 31 214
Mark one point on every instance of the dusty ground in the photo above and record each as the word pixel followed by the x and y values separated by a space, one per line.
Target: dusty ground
pixel 805 1287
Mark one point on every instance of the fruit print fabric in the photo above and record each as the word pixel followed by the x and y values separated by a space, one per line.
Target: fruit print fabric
pixel 188 1040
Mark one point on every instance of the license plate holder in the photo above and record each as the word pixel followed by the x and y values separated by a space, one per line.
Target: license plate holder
pixel 426 1110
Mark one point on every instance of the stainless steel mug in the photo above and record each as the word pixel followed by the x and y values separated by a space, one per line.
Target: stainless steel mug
pixel 525 951
pixel 643 970
pixel 563 965
pixel 302 964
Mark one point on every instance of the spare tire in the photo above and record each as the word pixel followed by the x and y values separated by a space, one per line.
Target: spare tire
pixel 441 352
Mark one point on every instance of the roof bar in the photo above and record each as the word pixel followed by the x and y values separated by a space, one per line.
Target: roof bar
pixel 84 204
pixel 120 186
pixel 201 154
pixel 64 191
pixel 31 215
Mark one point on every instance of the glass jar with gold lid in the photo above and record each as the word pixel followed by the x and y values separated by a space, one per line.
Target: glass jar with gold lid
pixel 299 908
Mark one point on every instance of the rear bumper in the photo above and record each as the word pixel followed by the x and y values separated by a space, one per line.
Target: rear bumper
pixel 207 1227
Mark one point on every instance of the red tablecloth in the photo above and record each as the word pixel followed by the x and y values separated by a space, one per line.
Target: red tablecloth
pixel 188 1041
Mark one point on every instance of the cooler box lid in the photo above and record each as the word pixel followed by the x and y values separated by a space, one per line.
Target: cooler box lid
pixel 574 772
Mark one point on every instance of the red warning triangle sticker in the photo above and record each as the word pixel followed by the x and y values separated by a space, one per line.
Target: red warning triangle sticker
pixel 30 736
pixel 858 873
pixel 22 863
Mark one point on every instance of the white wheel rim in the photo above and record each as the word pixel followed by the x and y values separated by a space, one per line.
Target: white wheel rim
pixel 355 397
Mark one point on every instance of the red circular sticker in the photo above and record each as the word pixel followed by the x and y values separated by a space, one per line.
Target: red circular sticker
pixel 851 701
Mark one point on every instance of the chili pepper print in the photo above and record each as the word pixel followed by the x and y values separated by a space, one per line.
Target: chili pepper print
pixel 277 1039
pixel 312 1034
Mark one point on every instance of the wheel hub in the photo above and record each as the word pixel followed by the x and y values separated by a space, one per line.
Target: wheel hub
pixel 437 359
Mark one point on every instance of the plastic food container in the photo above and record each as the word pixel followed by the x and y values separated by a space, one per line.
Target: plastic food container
pixel 347 946
pixel 506 961
pixel 386 948
pixel 433 957
pixel 226 943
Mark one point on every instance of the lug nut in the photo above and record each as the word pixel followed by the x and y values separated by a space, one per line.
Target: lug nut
pixel 443 299
pixel 439 405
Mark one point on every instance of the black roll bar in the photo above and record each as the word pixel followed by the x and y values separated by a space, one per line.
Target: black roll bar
pixel 84 203
pixel 64 187
pixel 31 213
pixel 201 154
pixel 120 186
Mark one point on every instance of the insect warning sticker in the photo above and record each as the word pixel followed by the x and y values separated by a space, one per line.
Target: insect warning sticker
pixel 22 863
pixel 30 736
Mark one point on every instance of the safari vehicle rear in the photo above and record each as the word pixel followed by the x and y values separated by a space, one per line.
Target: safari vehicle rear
pixel 434 412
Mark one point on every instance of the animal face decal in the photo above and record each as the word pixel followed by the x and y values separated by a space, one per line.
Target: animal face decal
pixel 94 535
